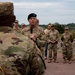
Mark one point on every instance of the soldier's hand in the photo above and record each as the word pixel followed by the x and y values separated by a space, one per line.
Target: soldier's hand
pixel 52 41
pixel 32 36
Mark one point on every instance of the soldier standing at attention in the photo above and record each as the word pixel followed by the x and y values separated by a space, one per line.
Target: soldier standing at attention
pixel 53 41
pixel 67 39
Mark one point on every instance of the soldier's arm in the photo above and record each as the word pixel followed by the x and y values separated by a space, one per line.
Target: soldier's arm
pixel 71 38
pixel 57 36
pixel 62 38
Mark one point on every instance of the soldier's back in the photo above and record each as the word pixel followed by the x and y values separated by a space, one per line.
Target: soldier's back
pixel 18 54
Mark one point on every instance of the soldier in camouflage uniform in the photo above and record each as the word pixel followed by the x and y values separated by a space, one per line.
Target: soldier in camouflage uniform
pixel 33 27
pixel 34 31
pixel 53 38
pixel 18 54
pixel 16 27
pixel 67 39
pixel 46 31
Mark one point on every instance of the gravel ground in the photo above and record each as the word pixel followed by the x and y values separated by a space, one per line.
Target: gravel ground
pixel 60 68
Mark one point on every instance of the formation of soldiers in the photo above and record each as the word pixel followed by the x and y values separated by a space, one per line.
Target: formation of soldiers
pixel 22 50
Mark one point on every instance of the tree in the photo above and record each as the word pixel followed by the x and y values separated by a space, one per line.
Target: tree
pixel 59 27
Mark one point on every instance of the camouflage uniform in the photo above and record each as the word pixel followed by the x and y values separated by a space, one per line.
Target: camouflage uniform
pixel 36 31
pixel 39 34
pixel 18 55
pixel 67 39
pixel 16 27
pixel 53 36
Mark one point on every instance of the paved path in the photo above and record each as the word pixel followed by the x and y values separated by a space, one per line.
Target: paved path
pixel 60 68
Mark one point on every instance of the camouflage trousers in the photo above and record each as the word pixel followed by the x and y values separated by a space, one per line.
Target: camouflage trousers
pixel 67 52
pixel 52 50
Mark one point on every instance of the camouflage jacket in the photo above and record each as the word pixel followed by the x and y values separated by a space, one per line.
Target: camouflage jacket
pixel 53 35
pixel 67 38
pixel 18 54
pixel 38 32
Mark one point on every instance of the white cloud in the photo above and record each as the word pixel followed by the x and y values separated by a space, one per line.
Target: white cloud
pixel 6 0
pixel 62 11
pixel 47 12
pixel 36 5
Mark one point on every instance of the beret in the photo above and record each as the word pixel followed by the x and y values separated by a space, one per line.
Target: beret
pixel 31 15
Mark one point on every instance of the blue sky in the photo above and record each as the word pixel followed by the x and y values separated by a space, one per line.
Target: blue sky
pixel 48 11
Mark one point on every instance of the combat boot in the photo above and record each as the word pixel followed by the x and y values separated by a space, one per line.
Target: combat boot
pixel 64 61
pixel 45 58
pixel 55 61
pixel 69 61
pixel 49 61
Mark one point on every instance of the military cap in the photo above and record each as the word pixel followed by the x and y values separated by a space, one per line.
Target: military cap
pixel 66 28
pixel 22 24
pixel 31 15
pixel 16 21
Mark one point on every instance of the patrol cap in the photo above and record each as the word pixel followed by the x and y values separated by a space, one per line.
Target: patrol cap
pixel 66 28
pixel 31 15
pixel 16 21
pixel 22 24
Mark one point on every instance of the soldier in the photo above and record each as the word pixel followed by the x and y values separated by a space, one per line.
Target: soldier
pixel 34 31
pixel 16 27
pixel 46 33
pixel 53 41
pixel 18 53
pixel 23 25
pixel 33 27
pixel 67 39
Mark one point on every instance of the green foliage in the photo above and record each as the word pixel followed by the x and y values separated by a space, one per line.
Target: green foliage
pixel 71 26
pixel 73 32
pixel 59 27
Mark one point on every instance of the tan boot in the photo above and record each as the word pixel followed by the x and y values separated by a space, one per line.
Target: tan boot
pixel 49 61
pixel 45 58
pixel 69 62
pixel 64 61
pixel 55 61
